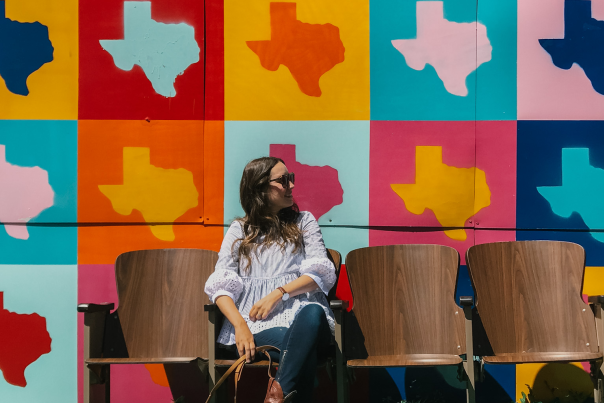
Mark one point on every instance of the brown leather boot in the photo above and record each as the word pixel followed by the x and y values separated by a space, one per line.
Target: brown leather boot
pixel 274 393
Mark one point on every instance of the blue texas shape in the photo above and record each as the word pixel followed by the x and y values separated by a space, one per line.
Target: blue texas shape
pixel 583 43
pixel 24 48
pixel 582 190
pixel 164 51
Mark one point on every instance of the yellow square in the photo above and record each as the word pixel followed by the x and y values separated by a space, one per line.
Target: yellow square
pixel 317 30
pixel 593 282
pixel 53 88
pixel 553 380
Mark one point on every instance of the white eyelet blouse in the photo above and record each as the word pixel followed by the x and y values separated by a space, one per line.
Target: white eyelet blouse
pixel 272 268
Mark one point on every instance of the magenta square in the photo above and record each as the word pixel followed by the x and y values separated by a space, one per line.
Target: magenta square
pixel 488 146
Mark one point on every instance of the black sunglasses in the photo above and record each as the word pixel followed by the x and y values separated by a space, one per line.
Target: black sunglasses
pixel 284 180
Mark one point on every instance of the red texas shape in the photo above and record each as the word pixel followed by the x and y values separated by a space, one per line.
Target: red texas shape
pixel 23 339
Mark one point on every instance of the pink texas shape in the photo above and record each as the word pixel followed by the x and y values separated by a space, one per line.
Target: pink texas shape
pixel 318 188
pixel 26 192
pixel 454 49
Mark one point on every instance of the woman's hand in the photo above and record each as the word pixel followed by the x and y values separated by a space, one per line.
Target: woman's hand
pixel 265 306
pixel 244 339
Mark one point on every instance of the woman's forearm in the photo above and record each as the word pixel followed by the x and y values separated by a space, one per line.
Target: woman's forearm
pixel 244 339
pixel 300 285
pixel 265 306
pixel 229 309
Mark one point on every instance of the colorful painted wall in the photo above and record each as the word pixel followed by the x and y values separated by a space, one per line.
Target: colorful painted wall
pixel 126 124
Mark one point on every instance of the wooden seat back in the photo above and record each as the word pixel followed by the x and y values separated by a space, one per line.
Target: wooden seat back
pixel 404 299
pixel 161 301
pixel 528 296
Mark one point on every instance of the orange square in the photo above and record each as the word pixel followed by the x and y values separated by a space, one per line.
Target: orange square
pixel 213 195
pixel 141 186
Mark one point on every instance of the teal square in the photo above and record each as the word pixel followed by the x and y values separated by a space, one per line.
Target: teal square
pixel 399 92
pixel 496 93
pixel 52 146
pixel 342 145
pixel 50 292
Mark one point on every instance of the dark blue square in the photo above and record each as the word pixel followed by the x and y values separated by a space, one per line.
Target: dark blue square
pixel 540 145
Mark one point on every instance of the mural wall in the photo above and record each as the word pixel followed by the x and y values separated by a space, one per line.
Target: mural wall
pixel 126 124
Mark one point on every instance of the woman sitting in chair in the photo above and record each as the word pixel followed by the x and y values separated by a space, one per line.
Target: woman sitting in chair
pixel 271 280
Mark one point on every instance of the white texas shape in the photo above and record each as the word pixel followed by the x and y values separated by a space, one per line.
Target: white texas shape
pixel 454 49
pixel 164 51
pixel 25 193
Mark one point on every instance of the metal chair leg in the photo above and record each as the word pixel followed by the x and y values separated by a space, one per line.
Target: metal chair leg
pixel 598 381
pixel 341 368
pixel 467 303
pixel 97 379
pixel 220 396
pixel 97 384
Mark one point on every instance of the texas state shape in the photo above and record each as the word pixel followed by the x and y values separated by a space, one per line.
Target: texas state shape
pixel 23 339
pixel 583 43
pixel 161 195
pixel 454 49
pixel 307 50
pixel 582 190
pixel 453 194
pixel 25 193
pixel 164 51
pixel 318 188
pixel 24 48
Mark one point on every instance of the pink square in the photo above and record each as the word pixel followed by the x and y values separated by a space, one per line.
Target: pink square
pixel 496 156
pixel 489 236
pixel 546 92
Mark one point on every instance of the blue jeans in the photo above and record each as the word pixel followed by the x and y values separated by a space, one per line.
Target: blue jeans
pixel 302 345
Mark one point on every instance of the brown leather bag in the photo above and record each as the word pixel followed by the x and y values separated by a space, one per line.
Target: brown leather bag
pixel 237 367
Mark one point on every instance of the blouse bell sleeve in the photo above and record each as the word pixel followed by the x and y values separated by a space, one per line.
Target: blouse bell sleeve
pixel 316 264
pixel 226 280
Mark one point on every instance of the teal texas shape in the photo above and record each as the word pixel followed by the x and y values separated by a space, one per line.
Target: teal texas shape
pixel 582 190
pixel 164 51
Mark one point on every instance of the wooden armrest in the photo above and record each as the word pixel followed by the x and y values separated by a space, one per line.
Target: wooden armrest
pixel 596 299
pixel 338 305
pixel 210 307
pixel 92 308
pixel 466 301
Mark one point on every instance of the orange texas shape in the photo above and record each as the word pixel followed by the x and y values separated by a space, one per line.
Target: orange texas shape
pixel 307 50
pixel 158 374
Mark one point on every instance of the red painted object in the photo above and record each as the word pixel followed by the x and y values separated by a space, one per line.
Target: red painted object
pixel 106 92
pixel 214 85
pixel 343 290
pixel 23 339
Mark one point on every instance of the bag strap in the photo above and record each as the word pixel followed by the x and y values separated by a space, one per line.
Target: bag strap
pixel 238 368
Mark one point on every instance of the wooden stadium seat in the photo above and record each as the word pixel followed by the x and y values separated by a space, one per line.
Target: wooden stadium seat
pixel 404 303
pixel 160 320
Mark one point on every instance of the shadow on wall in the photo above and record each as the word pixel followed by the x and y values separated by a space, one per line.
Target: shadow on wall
pixel 562 383
pixel 433 385
pixel 441 385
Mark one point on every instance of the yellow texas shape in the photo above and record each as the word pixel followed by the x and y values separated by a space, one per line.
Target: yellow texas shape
pixel 453 194
pixel 161 195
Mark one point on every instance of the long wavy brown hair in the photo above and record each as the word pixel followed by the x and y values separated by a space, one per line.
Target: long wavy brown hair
pixel 280 229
